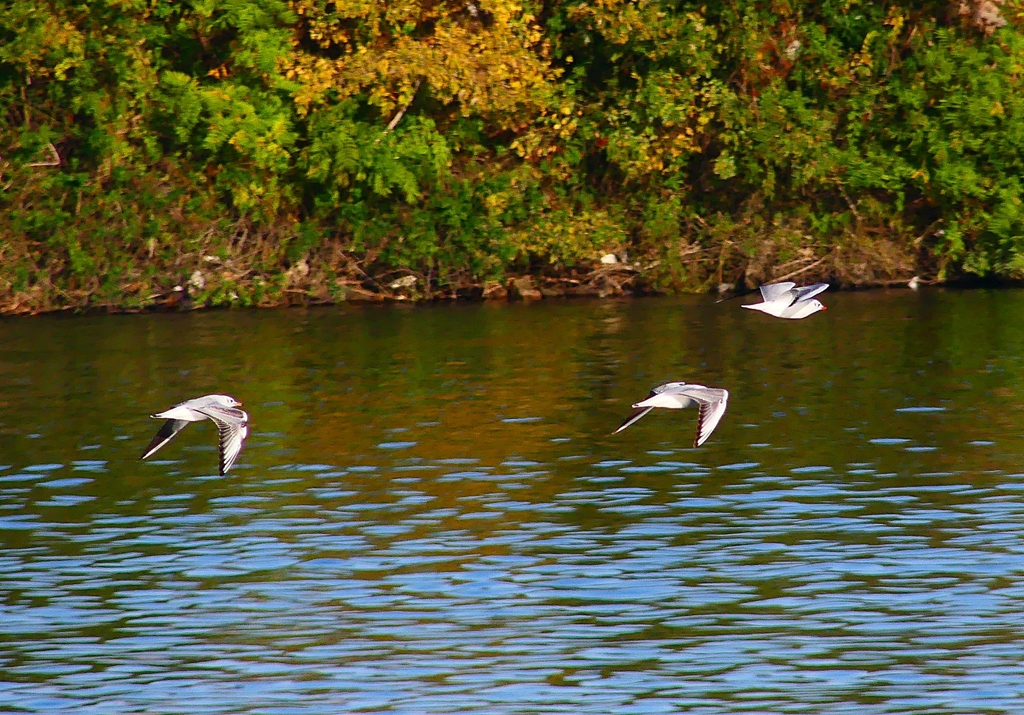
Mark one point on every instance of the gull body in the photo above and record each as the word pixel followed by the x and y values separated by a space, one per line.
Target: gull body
pixel 711 403
pixel 786 300
pixel 232 424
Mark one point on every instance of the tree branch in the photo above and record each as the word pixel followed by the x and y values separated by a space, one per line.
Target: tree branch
pixel 401 112
pixel 54 162
pixel 797 272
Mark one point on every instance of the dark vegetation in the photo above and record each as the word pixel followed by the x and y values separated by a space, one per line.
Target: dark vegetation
pixel 231 152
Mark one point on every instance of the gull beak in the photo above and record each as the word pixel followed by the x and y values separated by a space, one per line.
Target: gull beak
pixel 824 307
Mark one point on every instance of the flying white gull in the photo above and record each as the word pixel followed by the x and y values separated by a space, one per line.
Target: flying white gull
pixel 785 300
pixel 710 401
pixel 232 423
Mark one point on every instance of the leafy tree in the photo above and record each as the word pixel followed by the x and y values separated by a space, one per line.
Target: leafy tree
pixel 258 151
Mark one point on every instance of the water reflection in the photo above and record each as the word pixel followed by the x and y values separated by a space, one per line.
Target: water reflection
pixel 431 516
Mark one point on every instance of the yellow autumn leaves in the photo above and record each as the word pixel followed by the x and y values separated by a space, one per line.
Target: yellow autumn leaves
pixel 484 57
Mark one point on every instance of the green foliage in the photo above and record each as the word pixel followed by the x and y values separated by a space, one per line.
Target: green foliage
pixel 302 147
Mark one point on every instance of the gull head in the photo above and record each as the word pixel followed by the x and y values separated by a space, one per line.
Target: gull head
pixel 226 401
pixel 813 306
pixel 800 310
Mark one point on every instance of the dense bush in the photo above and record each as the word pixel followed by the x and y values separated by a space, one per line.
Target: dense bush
pixel 253 152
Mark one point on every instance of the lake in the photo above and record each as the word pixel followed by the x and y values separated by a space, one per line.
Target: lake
pixel 431 516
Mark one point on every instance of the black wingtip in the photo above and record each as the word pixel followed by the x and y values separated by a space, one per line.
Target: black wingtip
pixel 634 416
pixel 738 294
pixel 702 412
pixel 162 437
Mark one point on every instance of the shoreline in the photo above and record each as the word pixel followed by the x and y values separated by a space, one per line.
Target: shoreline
pixel 516 289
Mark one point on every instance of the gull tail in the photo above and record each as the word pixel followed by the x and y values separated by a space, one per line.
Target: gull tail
pixel 165 435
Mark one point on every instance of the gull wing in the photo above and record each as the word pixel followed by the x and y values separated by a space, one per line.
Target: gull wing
pixel 639 412
pixel 672 395
pixel 774 291
pixel 165 435
pixel 808 292
pixel 672 388
pixel 233 426
pixel 634 416
pixel 711 405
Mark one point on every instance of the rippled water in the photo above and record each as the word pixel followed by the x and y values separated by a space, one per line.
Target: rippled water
pixel 431 516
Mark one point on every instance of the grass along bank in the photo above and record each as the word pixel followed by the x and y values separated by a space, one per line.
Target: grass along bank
pixel 241 266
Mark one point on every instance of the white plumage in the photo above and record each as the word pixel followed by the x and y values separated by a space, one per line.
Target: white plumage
pixel 232 424
pixel 786 300
pixel 711 403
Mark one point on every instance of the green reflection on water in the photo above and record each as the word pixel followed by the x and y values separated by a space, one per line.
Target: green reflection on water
pixel 331 384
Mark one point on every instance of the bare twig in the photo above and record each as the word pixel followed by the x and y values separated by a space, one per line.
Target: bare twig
pixel 54 162
pixel 4 165
pixel 800 270
pixel 352 263
pixel 614 268
pixel 795 261
pixel 401 112
pixel 920 239
pixel 849 203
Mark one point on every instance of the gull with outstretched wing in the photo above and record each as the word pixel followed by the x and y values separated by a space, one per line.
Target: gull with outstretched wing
pixel 232 424
pixel 787 300
pixel 711 403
